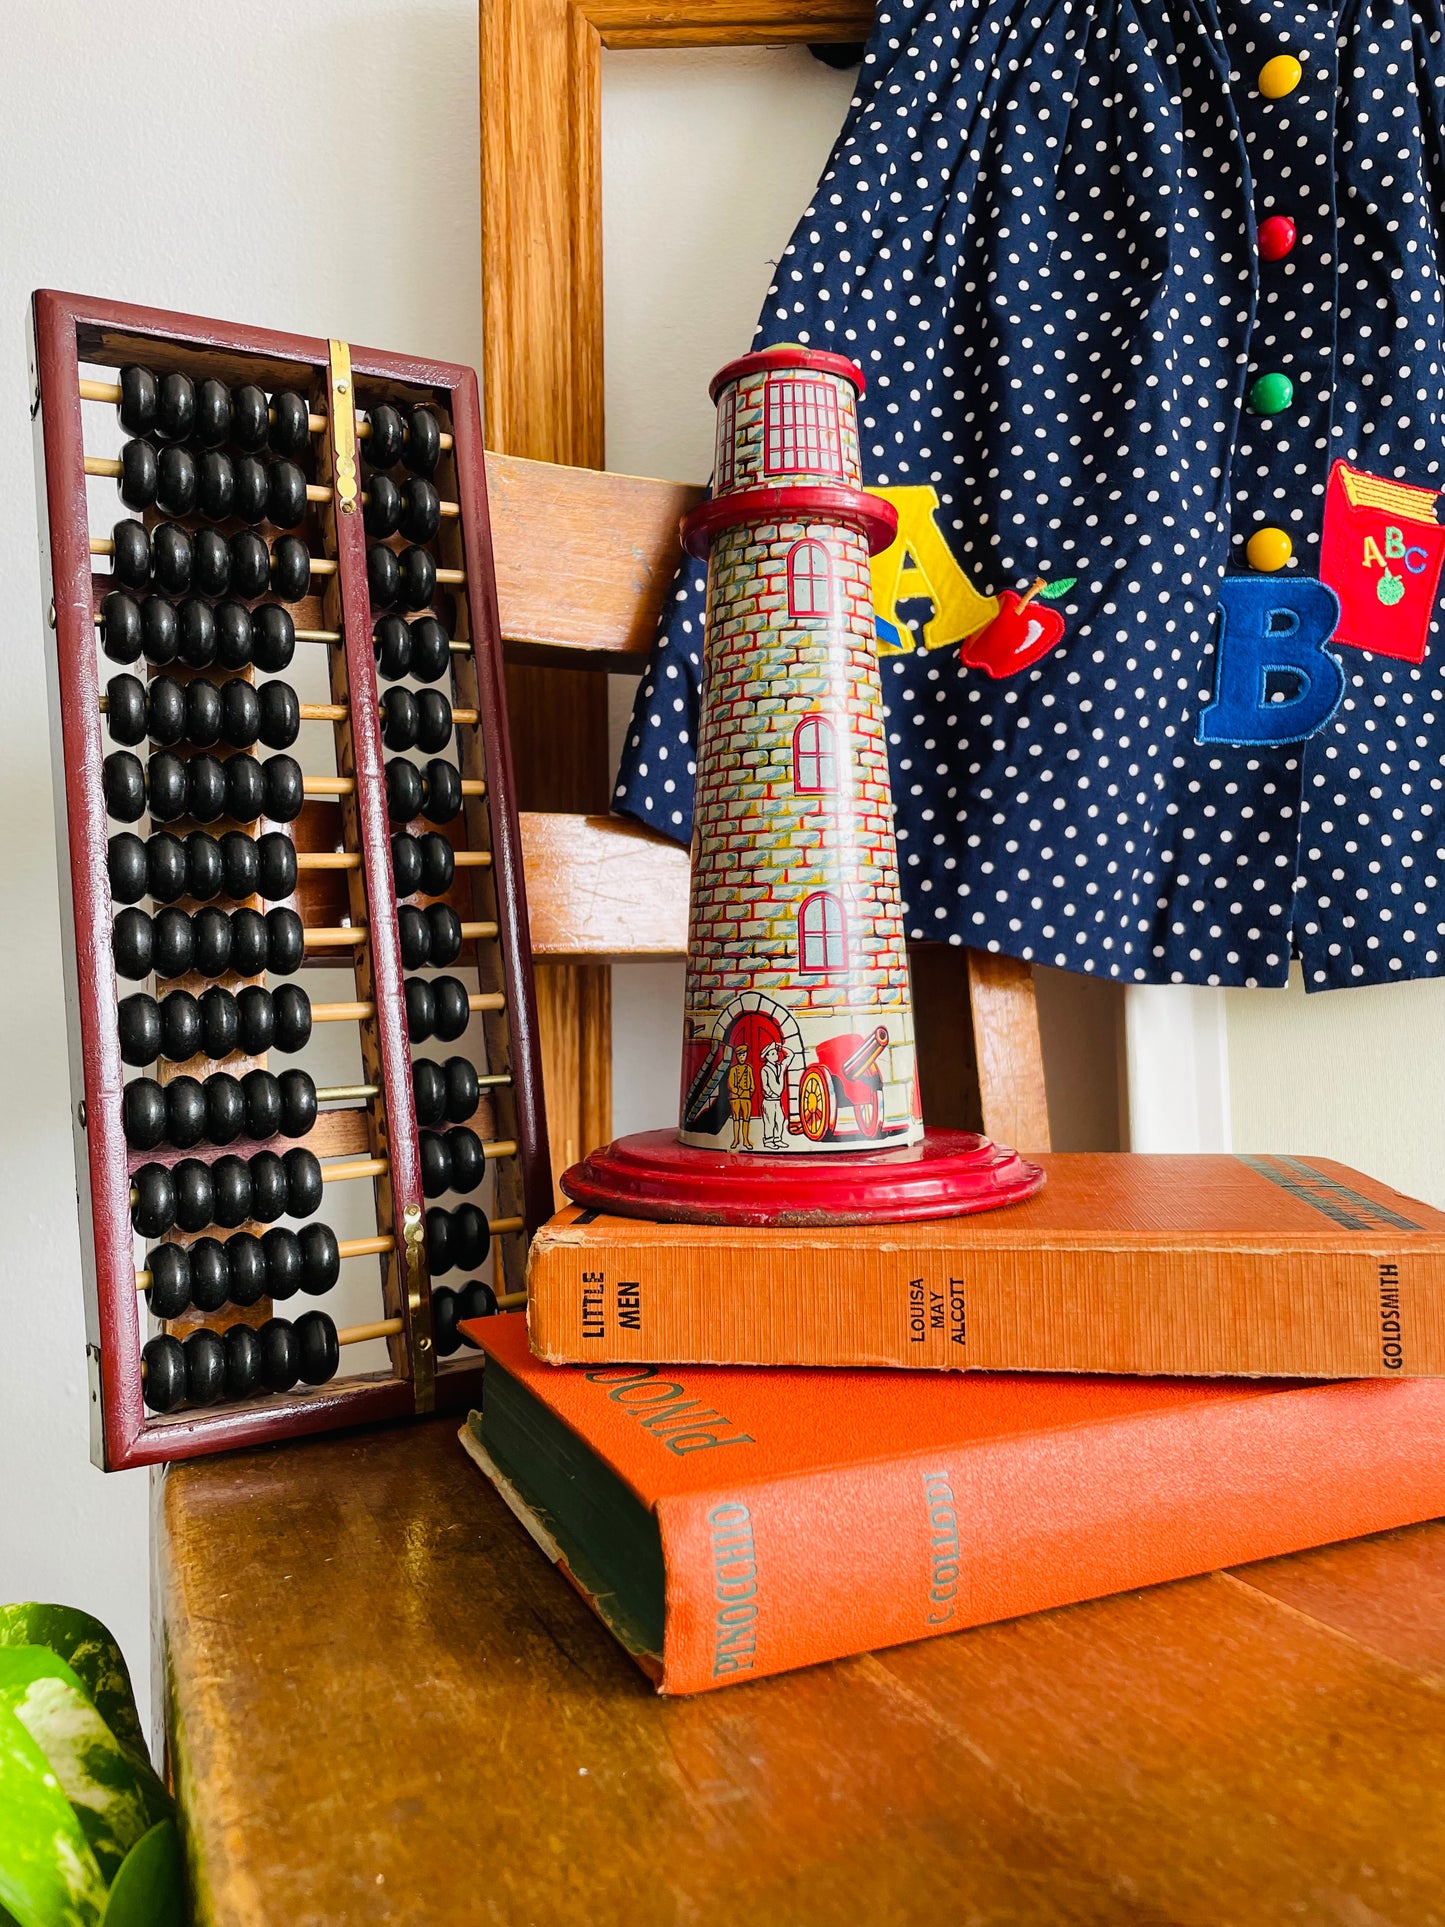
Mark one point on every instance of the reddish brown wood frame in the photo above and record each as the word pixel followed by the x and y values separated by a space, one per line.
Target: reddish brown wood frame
pixel 66 332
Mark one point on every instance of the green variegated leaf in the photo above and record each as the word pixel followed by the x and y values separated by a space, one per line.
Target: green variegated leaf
pixel 149 1890
pixel 48 1875
pixel 1061 586
pixel 88 1649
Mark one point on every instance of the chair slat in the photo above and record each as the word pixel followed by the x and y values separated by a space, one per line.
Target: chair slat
pixel 598 888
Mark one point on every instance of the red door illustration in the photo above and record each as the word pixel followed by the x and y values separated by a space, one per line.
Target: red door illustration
pixel 757 1030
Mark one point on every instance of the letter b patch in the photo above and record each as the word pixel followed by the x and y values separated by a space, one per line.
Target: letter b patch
pixel 1276 682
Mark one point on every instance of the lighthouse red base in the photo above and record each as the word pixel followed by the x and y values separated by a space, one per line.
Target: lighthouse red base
pixel 652 1175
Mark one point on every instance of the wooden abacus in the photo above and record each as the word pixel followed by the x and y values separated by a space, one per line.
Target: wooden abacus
pixel 285 492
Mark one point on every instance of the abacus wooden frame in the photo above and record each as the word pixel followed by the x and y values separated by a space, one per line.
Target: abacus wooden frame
pixel 66 330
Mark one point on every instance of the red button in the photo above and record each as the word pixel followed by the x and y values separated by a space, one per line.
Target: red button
pixel 1276 237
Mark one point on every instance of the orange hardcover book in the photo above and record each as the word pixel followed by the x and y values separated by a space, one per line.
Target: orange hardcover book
pixel 1271 1266
pixel 727 1524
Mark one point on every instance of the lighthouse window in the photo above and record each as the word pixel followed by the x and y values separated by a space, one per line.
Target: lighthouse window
pixel 803 436
pixel 815 765
pixel 726 425
pixel 810 581
pixel 821 941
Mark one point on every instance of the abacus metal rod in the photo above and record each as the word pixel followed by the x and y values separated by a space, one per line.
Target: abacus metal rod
pixel 456 646
pixel 110 391
pixel 341 712
pixel 346 786
pixel 379 1246
pixel 108 466
pixel 359 1012
pixel 320 564
pixel 350 860
pixel 341 936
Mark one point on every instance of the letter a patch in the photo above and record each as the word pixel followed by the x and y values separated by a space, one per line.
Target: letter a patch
pixel 1276 681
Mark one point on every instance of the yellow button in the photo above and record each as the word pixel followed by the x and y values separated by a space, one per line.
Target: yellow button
pixel 1280 76
pixel 1268 550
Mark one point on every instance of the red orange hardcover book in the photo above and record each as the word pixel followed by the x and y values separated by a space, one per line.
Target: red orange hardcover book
pixel 728 1524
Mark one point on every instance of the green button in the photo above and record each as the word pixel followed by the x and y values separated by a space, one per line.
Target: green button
pixel 1270 394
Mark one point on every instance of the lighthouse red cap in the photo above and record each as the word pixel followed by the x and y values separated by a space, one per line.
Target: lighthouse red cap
pixel 788 355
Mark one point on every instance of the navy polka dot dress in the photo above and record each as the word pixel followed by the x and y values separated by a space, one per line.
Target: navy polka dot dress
pixel 1129 290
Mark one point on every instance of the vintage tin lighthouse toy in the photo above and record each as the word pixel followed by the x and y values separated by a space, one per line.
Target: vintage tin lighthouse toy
pixel 800 1094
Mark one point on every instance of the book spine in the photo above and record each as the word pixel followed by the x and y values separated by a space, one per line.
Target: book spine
pixel 1203 1308
pixel 773 1575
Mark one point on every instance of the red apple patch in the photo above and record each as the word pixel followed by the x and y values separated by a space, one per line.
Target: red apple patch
pixel 1023 630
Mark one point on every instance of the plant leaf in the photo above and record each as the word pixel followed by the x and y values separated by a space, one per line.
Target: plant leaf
pixel 1051 591
pixel 150 1889
pixel 85 1645
pixel 48 1875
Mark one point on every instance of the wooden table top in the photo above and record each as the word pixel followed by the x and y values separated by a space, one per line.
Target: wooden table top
pixel 386 1706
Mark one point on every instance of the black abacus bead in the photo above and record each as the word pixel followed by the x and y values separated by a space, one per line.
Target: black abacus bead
pixel 177 482
pixel 405 790
pixel 131 941
pixel 320 1259
pixel 291 1016
pixel 241 860
pixel 430 649
pixel 195 1202
pixel 438 863
pixel 234 635
pixel 250 565
pixel 438 1240
pixel 160 631
pixel 387 438
pixel 201 714
pixel 277 877
pixel 202 867
pixel 263 1104
pixel 285 942
pixel 282 1252
pixel 169 1291
pixel 250 486
pixel 125 863
pixel 443 791
pixel 286 496
pixel 123 784
pixel 165 1373
pixel 211 563
pixel 421 511
pixel 182 1030
pixel 250 418
pixel 469 1164
pixel 138 475
pixel 173 943
pixel 167 867
pixel 383 575
pixel 245 789
pixel 232 1179
pixel 175 406
pixel 239 712
pixel 423 441
pixel 436 1165
pixel 433 720
pixel 205 1352
pixel 256 1017
pixel 143 1114
pixel 196 633
pixel 390 644
pixel 303 1182
pixel 290 423
pixel 173 559
pixel 414 933
pixel 126 709
pixel 210 1274
pixel 273 638
pixel 225 1108
pixel 420 1010
pixel 167 711
pixel 215 485
pixel 138 1020
pixel 298 1103
pixel 207 788
pixel 167 789
pixel 429 1091
pixel 243 1361
pixel 318 1354
pixel 283 789
pixel 450 1011
pixel 291 569
pixel 398 719
pixel 250 943
pixel 445 1335
pixel 137 405
pixel 211 942
pixel 471 1237
pixel 131 562
pixel 464 1090
pixel 187 1113
pixel 383 507
pixel 418 578
pixel 405 864
pixel 446 933
pixel 213 413
pixel 154 1210
pixel 277 1338
pixel 476 1300
pixel 120 627
pixel 246 1264
pixel 279 715
pixel 218 1022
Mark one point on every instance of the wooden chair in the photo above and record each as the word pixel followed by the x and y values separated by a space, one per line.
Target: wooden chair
pixel 583 560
